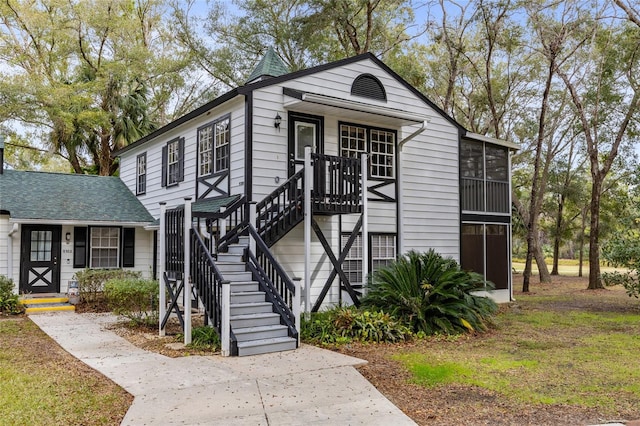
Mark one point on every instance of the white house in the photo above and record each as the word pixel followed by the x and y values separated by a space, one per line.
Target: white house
pixel 429 184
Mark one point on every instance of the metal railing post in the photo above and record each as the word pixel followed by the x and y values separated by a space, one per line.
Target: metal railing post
pixel 225 320
pixel 187 271
pixel 222 226
pixel 162 296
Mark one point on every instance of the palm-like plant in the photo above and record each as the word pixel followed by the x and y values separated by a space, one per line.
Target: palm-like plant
pixel 431 293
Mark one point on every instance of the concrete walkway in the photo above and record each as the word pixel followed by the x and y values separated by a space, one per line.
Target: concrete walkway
pixel 309 386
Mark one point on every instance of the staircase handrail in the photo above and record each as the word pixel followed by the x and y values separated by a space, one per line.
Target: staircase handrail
pixel 203 267
pixel 280 295
pixel 238 211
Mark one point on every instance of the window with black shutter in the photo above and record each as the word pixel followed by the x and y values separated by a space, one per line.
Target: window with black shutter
pixel 79 247
pixel 128 247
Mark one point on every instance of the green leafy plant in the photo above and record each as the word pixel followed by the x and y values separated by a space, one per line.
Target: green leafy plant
pixel 91 281
pixel 9 301
pixel 431 293
pixel 345 324
pixel 133 298
pixel 624 251
pixel 205 337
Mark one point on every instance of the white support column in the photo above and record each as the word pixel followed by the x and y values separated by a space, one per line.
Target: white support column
pixel 252 221
pixel 365 222
pixel 225 332
pixel 162 297
pixel 308 185
pixel 296 306
pixel 187 270
pixel 14 229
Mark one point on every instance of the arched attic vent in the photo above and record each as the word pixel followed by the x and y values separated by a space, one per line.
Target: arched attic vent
pixel 368 86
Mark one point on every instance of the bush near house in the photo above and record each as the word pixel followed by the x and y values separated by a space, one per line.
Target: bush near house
pixel 346 324
pixel 431 293
pixel 133 298
pixel 91 281
pixel 8 299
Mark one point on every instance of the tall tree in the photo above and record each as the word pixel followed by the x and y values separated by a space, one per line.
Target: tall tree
pixel 602 82
pixel 84 72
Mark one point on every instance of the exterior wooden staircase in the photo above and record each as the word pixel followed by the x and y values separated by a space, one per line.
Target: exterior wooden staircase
pixel 254 323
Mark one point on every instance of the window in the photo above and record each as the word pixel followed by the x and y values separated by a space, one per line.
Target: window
pixel 205 147
pixel 41 246
pixel 213 147
pixel 173 162
pixel 484 173
pixel 368 86
pixel 352 265
pixel 141 173
pixel 305 135
pixel 485 250
pixel 382 252
pixel 105 247
pixel 380 144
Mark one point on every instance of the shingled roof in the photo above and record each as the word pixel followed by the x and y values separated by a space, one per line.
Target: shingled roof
pixel 68 197
pixel 269 66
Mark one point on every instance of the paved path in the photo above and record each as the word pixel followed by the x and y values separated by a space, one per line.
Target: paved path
pixel 309 386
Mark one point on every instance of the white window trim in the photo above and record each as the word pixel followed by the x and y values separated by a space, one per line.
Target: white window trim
pixel 92 247
pixel 347 151
pixel 221 128
pixel 141 171
pixel 205 148
pixel 173 162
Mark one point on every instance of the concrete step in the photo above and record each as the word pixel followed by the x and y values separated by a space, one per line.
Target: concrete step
pixel 247 296
pixel 263 346
pixel 251 308
pixel 34 305
pixel 244 286
pixel 261 332
pixel 36 300
pixel 230 258
pixel 236 249
pixel 226 267
pixel 238 276
pixel 254 320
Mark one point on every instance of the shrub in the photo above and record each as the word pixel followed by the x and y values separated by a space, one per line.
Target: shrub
pixel 9 302
pixel 205 337
pixel 91 281
pixel 345 324
pixel 133 298
pixel 430 293
pixel 624 250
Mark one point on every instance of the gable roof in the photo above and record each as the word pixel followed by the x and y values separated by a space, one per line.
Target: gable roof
pixel 269 66
pixel 27 195
pixel 251 86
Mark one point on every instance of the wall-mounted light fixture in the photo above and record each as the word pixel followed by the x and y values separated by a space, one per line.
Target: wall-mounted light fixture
pixel 67 237
pixel 277 121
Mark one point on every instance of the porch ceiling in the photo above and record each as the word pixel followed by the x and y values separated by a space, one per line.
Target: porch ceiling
pixel 350 110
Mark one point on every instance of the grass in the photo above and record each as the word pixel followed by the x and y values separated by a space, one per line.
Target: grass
pixel 42 384
pixel 559 345
pixel 566 267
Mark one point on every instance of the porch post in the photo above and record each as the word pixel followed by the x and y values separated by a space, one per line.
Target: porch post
pixel 225 319
pixel 296 306
pixel 222 226
pixel 162 297
pixel 187 271
pixel 308 185
pixel 365 222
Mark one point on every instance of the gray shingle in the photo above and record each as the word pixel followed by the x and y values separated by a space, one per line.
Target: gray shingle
pixel 60 196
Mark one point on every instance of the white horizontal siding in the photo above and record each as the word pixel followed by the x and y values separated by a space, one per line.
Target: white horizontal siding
pixel 174 195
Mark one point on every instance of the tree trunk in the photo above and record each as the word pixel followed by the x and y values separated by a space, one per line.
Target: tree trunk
pixel 556 239
pixel 595 278
pixel 542 266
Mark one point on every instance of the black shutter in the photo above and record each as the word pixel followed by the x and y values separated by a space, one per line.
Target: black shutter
pixel 163 178
pixel 79 247
pixel 128 247
pixel 180 160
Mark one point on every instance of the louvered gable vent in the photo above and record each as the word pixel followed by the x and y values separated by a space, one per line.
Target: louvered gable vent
pixel 368 86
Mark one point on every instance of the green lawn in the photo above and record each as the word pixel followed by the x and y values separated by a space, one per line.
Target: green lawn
pixel 41 384
pixel 567 267
pixel 561 344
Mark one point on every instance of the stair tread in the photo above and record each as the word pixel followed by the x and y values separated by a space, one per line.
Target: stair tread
pixel 243 330
pixel 256 315
pixel 264 342
pixel 249 304
pixel 247 293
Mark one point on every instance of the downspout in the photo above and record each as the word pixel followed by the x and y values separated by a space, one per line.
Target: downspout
pixel 401 144
pixel 14 229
